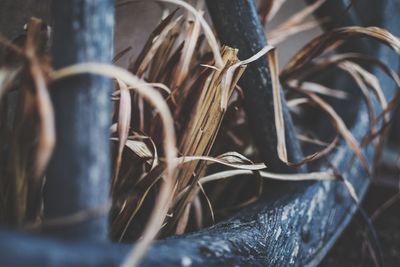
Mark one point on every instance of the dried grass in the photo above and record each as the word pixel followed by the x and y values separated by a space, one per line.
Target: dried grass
pixel 164 147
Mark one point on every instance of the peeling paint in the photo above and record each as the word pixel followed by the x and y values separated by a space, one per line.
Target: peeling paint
pixel 294 253
pixel 285 213
pixel 186 262
pixel 219 248
pixel 278 233
pixel 316 202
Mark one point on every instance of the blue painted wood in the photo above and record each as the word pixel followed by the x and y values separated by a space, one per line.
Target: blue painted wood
pixel 79 173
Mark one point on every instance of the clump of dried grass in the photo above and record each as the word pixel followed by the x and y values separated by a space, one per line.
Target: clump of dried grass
pixel 25 158
pixel 175 100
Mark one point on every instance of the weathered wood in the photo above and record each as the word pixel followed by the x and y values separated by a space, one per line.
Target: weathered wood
pixel 79 173
pixel 239 26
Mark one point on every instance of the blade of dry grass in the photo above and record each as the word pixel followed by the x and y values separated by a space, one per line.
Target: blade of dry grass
pixel 325 40
pixel 277 36
pixel 278 115
pixel 371 80
pixel 156 160
pixel 8 44
pixel 295 24
pixel 310 140
pixel 324 176
pixel 224 160
pixel 301 15
pixel 269 8
pixel 334 60
pixel 293 103
pixel 156 40
pixel 47 137
pixel 206 28
pixel 363 77
pixel 264 10
pixel 121 54
pixel 228 77
pixel 46 124
pixel 342 129
pixel 161 86
pixel 212 41
pixel 364 89
pixel 7 77
pixel 124 119
pixel 187 53
pixel 138 196
pixel 350 189
pixel 139 148
pixel 319 89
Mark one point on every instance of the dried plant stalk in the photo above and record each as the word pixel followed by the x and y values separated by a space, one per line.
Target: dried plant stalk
pixel 203 126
